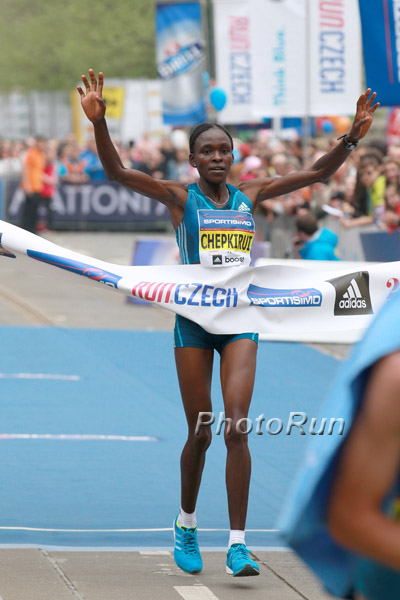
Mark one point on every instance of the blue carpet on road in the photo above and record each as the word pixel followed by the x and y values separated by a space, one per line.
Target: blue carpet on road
pixel 102 491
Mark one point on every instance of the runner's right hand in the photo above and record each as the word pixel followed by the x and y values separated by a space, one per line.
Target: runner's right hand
pixel 92 99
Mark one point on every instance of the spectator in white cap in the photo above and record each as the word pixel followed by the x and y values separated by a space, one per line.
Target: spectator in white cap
pixel 251 166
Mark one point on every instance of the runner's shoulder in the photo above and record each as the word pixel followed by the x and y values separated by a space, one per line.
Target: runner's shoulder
pixel 178 191
pixel 252 187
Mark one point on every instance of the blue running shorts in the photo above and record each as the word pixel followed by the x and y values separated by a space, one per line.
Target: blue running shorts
pixel 188 334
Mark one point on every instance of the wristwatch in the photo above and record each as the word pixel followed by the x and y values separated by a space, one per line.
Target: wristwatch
pixel 349 145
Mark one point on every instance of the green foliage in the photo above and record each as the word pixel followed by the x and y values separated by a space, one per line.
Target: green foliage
pixel 48 45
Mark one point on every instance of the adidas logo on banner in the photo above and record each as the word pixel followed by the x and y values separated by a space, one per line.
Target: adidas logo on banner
pixel 352 294
pixel 244 208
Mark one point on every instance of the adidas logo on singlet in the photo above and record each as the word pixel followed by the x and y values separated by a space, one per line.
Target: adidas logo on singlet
pixel 244 208
pixel 217 259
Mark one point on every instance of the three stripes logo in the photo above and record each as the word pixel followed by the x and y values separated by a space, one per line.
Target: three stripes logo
pixel 352 294
pixel 244 208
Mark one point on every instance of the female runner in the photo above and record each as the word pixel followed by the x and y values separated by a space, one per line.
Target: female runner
pixel 211 153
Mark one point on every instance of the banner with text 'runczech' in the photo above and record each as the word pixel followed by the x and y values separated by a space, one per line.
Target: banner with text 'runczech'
pixel 287 58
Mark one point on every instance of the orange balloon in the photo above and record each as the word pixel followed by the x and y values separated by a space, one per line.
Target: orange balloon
pixel 342 124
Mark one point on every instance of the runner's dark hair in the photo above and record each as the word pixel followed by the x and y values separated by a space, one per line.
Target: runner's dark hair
pixel 201 129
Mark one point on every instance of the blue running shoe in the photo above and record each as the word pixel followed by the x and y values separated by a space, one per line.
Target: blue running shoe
pixel 186 551
pixel 239 563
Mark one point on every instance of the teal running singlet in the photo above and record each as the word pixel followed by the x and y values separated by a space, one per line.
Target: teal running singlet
pixel 222 238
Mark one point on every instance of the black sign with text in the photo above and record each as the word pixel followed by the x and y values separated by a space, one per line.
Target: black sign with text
pixel 102 203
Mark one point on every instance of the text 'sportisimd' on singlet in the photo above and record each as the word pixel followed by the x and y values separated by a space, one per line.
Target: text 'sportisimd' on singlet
pixel 216 237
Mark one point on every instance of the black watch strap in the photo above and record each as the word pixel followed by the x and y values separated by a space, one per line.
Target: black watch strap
pixel 349 145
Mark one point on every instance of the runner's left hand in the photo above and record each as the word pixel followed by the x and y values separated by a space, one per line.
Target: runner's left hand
pixel 364 116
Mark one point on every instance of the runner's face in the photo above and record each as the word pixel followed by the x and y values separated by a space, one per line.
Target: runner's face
pixel 212 155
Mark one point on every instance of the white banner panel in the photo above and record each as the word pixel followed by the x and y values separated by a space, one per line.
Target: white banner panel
pixel 335 57
pixel 277 299
pixel 234 58
pixel 279 45
pixel 287 58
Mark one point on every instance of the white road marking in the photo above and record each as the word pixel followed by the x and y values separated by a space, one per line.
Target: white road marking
pixel 83 530
pixel 51 376
pixel 78 437
pixel 195 592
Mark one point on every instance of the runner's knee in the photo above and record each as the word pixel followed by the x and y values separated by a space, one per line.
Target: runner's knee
pixel 202 437
pixel 235 436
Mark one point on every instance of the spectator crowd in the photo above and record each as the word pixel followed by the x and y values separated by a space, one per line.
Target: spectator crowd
pixel 364 191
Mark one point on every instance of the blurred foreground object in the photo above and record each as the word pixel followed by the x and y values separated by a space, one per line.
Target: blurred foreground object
pixel 342 517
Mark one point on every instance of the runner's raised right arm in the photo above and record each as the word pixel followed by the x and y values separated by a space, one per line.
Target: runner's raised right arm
pixel 170 193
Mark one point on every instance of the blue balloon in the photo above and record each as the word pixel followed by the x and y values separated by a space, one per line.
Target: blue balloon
pixel 328 126
pixel 218 98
